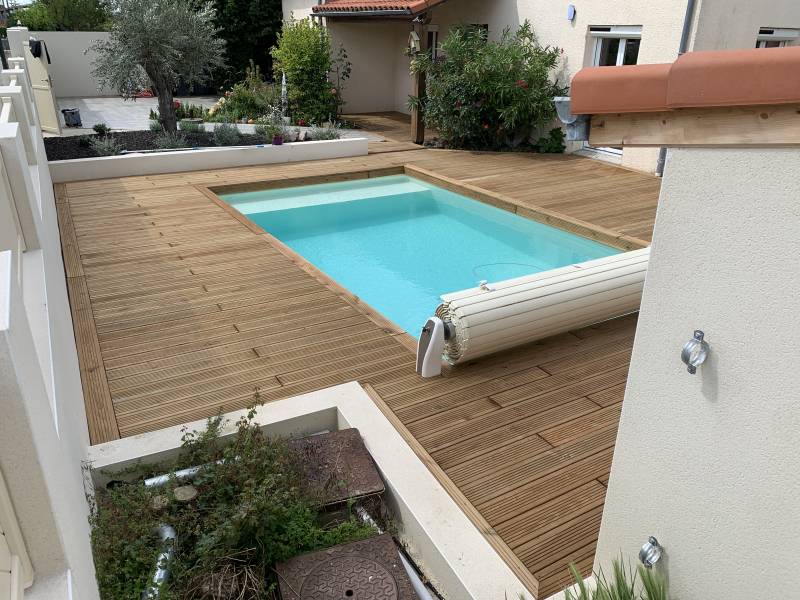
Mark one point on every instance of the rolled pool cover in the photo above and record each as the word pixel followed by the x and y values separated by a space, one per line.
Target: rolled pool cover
pixel 498 316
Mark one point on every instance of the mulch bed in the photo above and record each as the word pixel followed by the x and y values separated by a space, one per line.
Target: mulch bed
pixel 64 148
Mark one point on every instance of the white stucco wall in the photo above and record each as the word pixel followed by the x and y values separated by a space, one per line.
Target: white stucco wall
pixel 735 23
pixel 708 463
pixel 71 69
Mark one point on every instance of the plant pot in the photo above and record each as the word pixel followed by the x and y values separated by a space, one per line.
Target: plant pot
pixel 277 140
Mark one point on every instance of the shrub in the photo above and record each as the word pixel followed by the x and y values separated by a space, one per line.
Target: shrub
pixel 488 94
pixel 101 128
pixel 155 126
pixel 553 143
pixel 326 132
pixel 158 43
pixel 271 124
pixel 168 140
pixel 251 511
pixel 247 99
pixel 314 75
pixel 105 145
pixel 188 126
pixel 190 111
pixel 226 134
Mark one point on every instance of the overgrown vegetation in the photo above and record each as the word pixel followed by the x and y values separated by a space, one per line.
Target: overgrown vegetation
pixel 315 72
pixel 158 44
pixel 189 126
pixel 250 513
pixel 489 94
pixel 105 145
pixel 101 128
pixel 62 15
pixel 622 585
pixel 247 100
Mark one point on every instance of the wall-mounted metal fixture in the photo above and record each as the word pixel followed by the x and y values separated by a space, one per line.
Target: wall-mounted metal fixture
pixel 651 552
pixel 577 125
pixel 695 352
pixel 571 12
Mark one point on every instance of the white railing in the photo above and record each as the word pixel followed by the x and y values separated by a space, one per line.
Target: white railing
pixel 43 431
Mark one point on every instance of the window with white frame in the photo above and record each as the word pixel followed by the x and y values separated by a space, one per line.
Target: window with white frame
pixel 773 37
pixel 433 41
pixel 615 45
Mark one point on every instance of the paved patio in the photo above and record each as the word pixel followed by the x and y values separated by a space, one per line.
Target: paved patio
pixel 182 310
pixel 118 113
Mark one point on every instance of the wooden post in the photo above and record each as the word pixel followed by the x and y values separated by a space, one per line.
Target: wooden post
pixel 418 89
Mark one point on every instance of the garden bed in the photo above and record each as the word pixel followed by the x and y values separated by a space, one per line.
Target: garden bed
pixel 66 148
pixel 223 514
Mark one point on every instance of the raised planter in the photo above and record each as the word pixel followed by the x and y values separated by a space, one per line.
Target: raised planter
pixel 448 548
pixel 155 163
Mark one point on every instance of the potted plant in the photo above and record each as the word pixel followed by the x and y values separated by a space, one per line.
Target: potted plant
pixel 277 139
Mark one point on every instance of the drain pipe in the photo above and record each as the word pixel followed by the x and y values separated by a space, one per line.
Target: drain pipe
pixel 688 18
pixel 167 535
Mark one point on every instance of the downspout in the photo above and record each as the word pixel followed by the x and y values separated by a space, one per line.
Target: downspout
pixel 688 17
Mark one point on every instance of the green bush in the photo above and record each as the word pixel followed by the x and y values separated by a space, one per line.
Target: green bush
pixel 226 134
pixel 248 99
pixel 553 143
pixel 326 132
pixel 168 140
pixel 101 128
pixel 251 513
pixel 188 126
pixel 314 74
pixel 155 126
pixel 105 145
pixel 483 94
pixel 271 125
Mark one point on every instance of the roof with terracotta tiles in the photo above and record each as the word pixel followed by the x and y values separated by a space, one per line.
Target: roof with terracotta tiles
pixel 365 7
pixel 716 78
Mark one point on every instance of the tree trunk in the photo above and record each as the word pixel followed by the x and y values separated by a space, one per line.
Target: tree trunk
pixel 166 110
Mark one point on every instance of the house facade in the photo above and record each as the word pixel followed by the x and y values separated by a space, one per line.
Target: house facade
pixel 591 32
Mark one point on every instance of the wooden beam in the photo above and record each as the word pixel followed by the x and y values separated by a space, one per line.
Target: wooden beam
pixel 418 89
pixel 775 125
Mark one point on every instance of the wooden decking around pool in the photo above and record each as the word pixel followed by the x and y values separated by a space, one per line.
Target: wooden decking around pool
pixel 181 310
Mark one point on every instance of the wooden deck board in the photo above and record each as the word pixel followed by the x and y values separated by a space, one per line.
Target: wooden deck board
pixel 182 309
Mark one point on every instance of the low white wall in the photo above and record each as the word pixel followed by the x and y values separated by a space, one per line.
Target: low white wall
pixel 708 463
pixel 452 553
pixel 71 62
pixel 81 169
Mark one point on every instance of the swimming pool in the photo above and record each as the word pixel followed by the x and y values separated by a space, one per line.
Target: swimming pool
pixel 398 242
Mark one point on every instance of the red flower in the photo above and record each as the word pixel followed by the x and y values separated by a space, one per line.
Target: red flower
pixel 176 103
pixel 521 83
pixel 301 122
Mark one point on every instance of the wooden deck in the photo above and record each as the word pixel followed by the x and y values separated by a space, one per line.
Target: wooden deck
pixel 181 310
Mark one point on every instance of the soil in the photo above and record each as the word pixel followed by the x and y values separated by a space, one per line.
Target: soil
pixel 64 148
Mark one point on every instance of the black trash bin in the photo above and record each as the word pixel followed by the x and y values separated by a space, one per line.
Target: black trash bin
pixel 72 117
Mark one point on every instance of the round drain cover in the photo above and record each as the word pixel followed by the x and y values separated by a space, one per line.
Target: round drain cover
pixel 345 577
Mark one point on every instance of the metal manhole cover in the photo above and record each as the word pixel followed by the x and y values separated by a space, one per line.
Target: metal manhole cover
pixel 366 570
pixel 355 577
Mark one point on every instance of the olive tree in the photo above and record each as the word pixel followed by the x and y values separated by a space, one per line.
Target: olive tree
pixel 158 43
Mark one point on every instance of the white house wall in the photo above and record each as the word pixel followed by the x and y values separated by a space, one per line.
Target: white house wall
pixel 708 463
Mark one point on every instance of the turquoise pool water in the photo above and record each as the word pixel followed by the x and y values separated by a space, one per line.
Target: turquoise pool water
pixel 399 243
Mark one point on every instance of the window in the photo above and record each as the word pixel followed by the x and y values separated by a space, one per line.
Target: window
pixel 770 37
pixel 433 41
pixel 615 45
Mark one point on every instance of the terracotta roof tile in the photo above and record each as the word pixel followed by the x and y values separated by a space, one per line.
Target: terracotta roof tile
pixel 697 79
pixel 410 7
